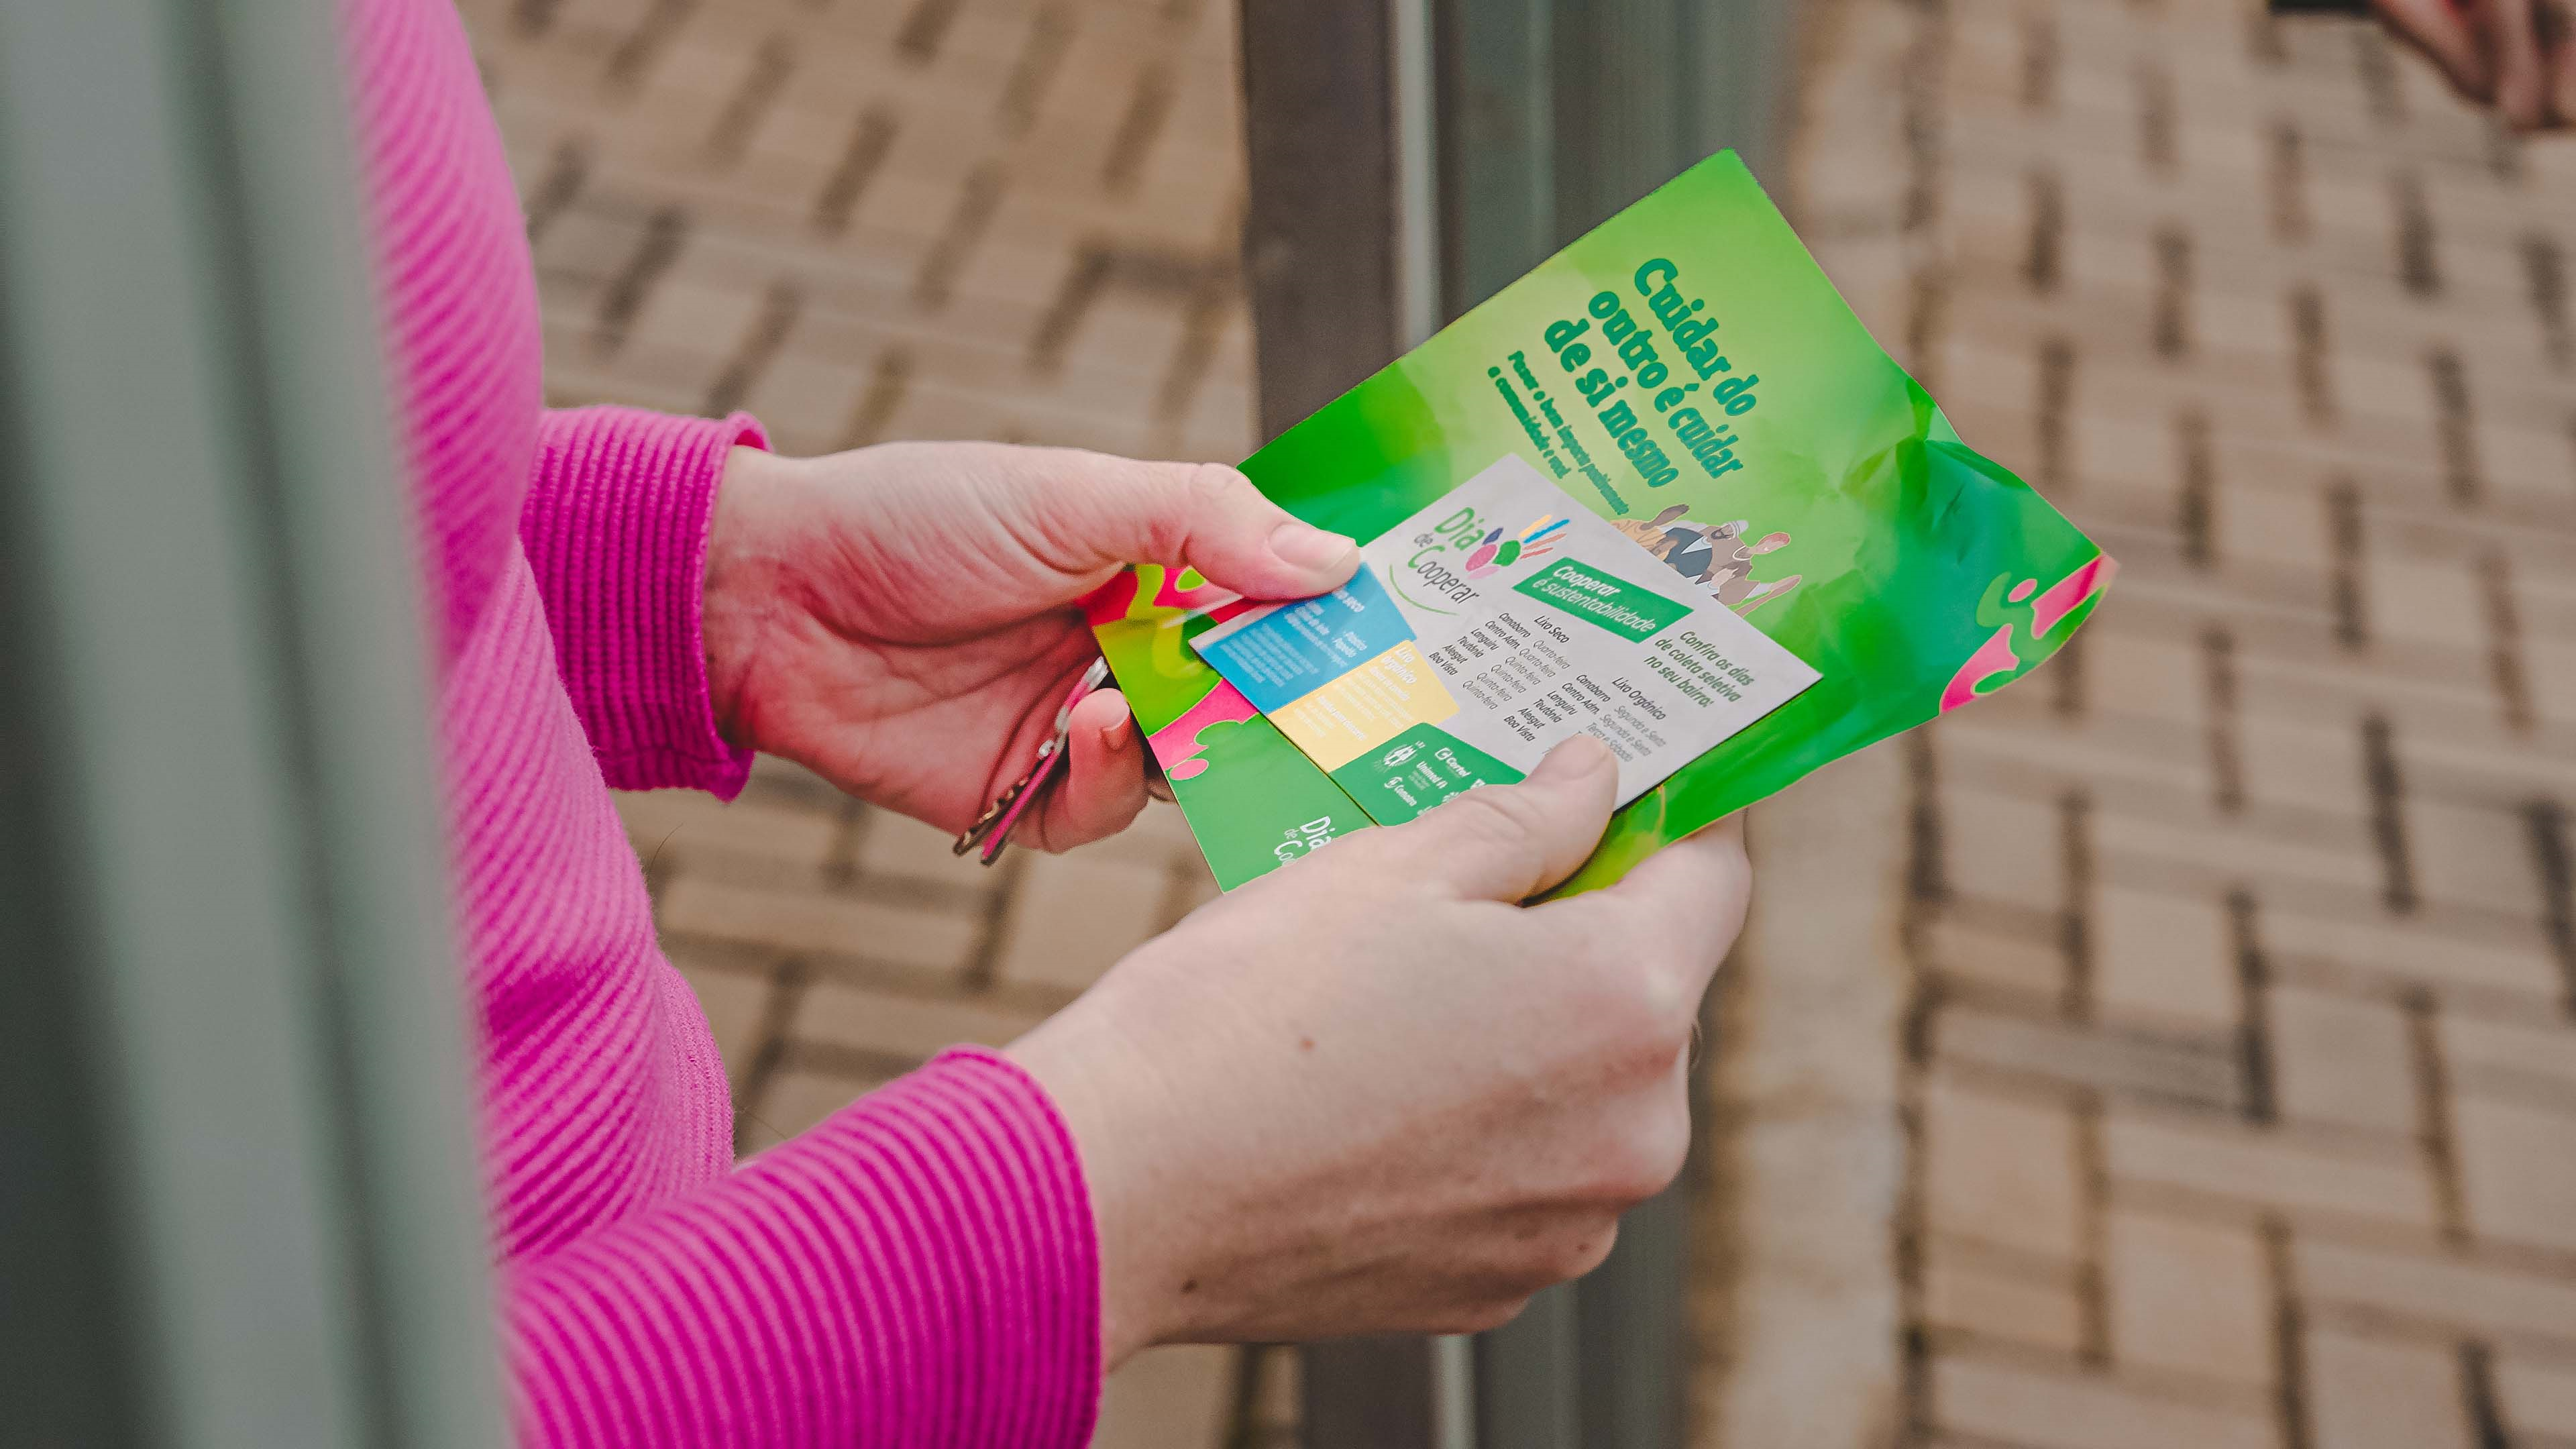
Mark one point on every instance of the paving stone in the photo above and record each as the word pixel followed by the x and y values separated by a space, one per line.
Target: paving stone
pixel 2491 1299
pixel 2537 1397
pixel 923 938
pixel 2008 1403
pixel 2414 953
pixel 2002 1170
pixel 669 827
pixel 1993 1302
pixel 900 1025
pixel 2188 1296
pixel 1072 917
pixel 2300 762
pixel 2384 1394
pixel 1168 1398
pixel 2342 1059
pixel 2277 529
pixel 2033 969
pixel 2256 1167
pixel 2201 1071
pixel 2501 1057
pixel 2518 1166
pixel 2274 846
pixel 2165 960
pixel 2157 678
pixel 2476 855
pixel 2009 849
pixel 902 848
pixel 2433 602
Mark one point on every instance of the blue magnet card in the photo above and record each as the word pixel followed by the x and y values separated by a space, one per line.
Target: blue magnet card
pixel 1285 652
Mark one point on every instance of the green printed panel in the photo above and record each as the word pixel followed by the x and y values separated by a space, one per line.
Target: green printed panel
pixel 1597 598
pixel 1278 805
pixel 1416 770
pixel 1253 800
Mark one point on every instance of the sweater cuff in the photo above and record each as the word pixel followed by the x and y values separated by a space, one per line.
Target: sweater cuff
pixel 920 1269
pixel 615 527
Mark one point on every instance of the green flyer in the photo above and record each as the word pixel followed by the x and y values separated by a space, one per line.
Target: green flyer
pixel 1665 490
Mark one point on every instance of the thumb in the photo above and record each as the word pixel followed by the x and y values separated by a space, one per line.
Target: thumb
pixel 1107 511
pixel 1509 842
pixel 2522 83
pixel 2441 30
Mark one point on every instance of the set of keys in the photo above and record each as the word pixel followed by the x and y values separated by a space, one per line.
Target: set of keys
pixel 992 829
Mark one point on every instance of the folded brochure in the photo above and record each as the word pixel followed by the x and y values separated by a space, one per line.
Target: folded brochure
pixel 1665 490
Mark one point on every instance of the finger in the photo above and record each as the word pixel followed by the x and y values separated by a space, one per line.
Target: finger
pixel 1102 511
pixel 1104 782
pixel 1704 880
pixel 2559 56
pixel 2512 36
pixel 2441 30
pixel 1509 842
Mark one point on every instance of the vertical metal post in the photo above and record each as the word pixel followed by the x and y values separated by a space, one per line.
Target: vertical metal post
pixel 1342 274
pixel 1413 91
pixel 1321 235
pixel 1497 67
pixel 1620 78
pixel 239 1202
pixel 1543 117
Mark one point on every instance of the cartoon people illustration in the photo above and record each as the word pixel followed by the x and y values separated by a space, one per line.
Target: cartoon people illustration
pixel 1732 580
pixel 1711 555
pixel 1690 549
pixel 1760 594
pixel 1698 553
pixel 1651 535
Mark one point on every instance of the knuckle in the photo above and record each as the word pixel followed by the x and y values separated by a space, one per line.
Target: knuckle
pixel 1215 489
pixel 1660 1000
pixel 1650 1152
pixel 1639 1013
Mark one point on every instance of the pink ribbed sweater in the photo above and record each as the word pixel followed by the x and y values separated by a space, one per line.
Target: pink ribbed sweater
pixel 920 1269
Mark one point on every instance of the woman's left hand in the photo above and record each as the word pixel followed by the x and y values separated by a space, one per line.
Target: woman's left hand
pixel 904 619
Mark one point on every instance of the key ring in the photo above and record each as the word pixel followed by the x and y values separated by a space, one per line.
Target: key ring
pixel 992 829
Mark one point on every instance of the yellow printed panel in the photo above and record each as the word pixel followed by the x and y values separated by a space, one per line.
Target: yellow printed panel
pixel 1365 708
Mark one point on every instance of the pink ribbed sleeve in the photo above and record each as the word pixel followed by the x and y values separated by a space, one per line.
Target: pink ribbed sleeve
pixel 615 526
pixel 917 1271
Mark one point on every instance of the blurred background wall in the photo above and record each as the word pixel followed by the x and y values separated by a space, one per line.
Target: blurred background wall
pixel 2178 1050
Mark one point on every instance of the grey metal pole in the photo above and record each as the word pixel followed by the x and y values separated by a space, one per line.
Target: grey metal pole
pixel 1546 117
pixel 240 1201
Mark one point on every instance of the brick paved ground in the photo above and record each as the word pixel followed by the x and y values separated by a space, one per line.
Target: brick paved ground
pixel 2224 997
pixel 2238 949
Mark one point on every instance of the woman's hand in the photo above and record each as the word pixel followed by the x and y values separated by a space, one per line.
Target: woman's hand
pixel 2514 55
pixel 901 619
pixel 1372 1093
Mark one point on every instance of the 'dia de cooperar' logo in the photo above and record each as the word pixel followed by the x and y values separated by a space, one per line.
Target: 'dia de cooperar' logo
pixel 1494 551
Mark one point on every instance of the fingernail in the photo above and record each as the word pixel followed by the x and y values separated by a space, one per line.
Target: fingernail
pixel 1310 548
pixel 1114 733
pixel 1575 759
